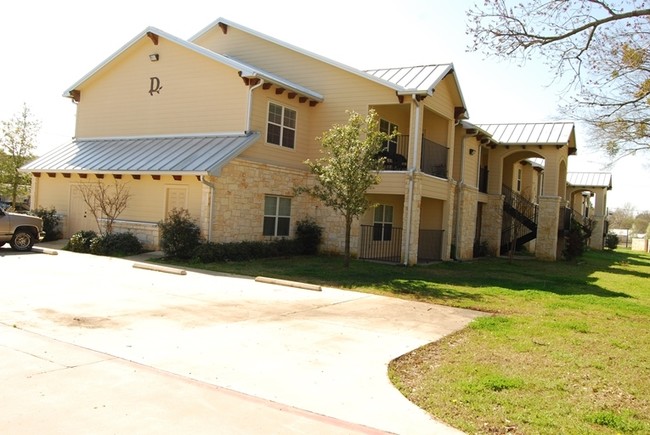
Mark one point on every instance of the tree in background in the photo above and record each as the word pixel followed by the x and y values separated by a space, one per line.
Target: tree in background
pixel 349 168
pixel 622 218
pixel 17 144
pixel 600 45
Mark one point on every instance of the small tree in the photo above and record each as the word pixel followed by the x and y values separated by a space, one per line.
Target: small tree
pixel 105 202
pixel 17 144
pixel 349 168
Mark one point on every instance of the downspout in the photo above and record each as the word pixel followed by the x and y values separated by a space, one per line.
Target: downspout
pixel 411 175
pixel 211 187
pixel 458 222
pixel 249 109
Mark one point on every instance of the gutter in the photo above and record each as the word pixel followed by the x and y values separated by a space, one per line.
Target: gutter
pixel 249 109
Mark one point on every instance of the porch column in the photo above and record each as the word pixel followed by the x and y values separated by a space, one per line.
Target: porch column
pixel 492 222
pixel 547 228
pixel 412 208
pixel 600 211
pixel 205 219
pixel 467 224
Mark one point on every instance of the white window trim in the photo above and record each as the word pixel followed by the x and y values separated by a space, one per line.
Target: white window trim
pixel 277 215
pixel 266 124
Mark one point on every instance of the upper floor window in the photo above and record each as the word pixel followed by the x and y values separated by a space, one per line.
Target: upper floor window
pixel 382 229
pixel 389 128
pixel 281 127
pixel 518 180
pixel 277 215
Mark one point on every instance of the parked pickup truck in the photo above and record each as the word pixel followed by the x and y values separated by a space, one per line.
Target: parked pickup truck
pixel 20 230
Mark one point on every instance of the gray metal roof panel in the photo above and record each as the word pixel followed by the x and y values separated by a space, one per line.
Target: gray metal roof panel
pixel 423 78
pixel 549 133
pixel 201 155
pixel 590 179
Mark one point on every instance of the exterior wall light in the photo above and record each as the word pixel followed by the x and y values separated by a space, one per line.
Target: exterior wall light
pixel 472 151
pixel 154 57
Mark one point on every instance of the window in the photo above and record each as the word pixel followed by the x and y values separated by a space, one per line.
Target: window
pixel 382 229
pixel 277 216
pixel 281 128
pixel 518 180
pixel 388 128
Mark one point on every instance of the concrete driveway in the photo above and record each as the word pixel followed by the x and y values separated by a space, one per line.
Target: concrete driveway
pixel 92 344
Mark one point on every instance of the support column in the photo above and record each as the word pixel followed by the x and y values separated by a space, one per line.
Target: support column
pixel 412 206
pixel 467 227
pixel 492 222
pixel 207 208
pixel 597 237
pixel 547 228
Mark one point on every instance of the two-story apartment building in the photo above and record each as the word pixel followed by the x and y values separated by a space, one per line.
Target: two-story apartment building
pixel 221 124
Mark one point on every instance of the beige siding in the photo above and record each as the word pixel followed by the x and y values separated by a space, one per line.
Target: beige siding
pixel 431 214
pixel 390 183
pixel 264 152
pixel 194 90
pixel 445 98
pixel 146 202
pixel 396 201
pixel 434 187
pixel 342 90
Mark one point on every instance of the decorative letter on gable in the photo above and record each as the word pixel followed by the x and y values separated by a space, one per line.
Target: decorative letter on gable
pixel 154 86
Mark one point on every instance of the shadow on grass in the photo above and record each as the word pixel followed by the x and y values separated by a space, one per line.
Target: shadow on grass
pixel 476 283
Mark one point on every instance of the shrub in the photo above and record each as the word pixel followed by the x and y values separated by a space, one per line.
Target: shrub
pixel 179 235
pixel 80 241
pixel 244 251
pixel 51 222
pixel 116 244
pixel 576 240
pixel 308 236
pixel 611 241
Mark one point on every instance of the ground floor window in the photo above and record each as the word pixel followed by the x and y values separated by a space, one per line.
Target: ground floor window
pixel 383 224
pixel 277 215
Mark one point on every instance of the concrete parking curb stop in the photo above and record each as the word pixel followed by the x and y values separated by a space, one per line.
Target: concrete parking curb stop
pixel 158 268
pixel 286 283
pixel 45 251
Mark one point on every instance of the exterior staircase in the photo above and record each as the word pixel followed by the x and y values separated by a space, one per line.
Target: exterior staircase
pixel 519 221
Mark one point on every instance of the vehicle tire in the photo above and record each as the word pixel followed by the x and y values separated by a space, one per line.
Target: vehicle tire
pixel 22 240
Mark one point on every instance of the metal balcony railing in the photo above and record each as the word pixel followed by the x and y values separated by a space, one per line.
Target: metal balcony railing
pixel 381 243
pixel 433 160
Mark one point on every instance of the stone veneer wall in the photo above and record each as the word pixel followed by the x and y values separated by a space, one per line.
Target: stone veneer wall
pixel 492 221
pixel 467 228
pixel 238 212
pixel 547 228
pixel 147 232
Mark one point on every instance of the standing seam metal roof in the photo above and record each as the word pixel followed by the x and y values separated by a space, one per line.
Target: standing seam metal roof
pixel 589 179
pixel 197 155
pixel 549 133
pixel 421 78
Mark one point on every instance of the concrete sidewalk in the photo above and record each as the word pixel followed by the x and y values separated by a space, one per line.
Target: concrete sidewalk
pixel 91 342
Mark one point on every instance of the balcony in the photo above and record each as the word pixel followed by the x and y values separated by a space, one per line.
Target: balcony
pixel 433 158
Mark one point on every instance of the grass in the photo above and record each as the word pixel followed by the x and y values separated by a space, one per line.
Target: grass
pixel 567 349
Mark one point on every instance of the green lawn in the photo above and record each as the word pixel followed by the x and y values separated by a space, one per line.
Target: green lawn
pixel 567 350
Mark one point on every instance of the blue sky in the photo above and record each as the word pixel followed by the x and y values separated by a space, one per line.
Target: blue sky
pixel 46 46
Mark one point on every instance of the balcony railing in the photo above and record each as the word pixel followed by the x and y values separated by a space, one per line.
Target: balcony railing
pixel 380 243
pixel 433 160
